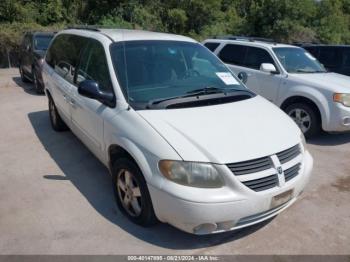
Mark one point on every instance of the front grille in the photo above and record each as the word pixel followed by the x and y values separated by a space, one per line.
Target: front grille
pixel 270 180
pixel 250 166
pixel 289 154
pixel 291 172
pixel 263 183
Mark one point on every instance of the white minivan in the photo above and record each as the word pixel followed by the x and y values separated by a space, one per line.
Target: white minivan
pixel 185 142
pixel 291 78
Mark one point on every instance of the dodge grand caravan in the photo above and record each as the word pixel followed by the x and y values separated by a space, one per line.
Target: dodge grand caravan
pixel 185 142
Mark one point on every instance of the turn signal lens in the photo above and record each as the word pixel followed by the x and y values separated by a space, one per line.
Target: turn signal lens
pixel 342 98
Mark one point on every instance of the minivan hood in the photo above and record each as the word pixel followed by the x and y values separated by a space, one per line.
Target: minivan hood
pixel 225 133
pixel 331 81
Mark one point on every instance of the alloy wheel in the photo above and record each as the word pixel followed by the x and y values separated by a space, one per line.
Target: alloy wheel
pixel 129 192
pixel 301 118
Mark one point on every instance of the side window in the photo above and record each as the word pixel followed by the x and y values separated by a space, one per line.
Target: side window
pixel 233 54
pixel 93 66
pixel 256 56
pixel 211 46
pixel 64 54
pixel 329 57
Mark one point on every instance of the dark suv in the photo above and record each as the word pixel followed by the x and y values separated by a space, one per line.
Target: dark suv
pixel 32 52
pixel 336 58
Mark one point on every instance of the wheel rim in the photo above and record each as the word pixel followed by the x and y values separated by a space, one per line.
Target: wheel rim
pixel 129 192
pixel 52 112
pixel 301 118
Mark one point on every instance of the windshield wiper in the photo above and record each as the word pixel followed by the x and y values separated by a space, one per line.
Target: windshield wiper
pixel 195 92
pixel 206 90
pixel 210 90
pixel 309 71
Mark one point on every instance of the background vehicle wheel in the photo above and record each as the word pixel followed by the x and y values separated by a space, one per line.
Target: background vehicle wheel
pixel 305 117
pixel 131 192
pixel 56 121
pixel 38 88
pixel 23 78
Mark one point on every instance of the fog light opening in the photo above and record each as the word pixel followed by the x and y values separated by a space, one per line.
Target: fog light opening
pixel 206 228
pixel 346 121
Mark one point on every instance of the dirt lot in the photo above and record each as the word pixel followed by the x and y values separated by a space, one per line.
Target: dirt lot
pixel 56 197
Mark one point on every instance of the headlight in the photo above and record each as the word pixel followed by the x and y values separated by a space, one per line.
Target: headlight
pixel 193 174
pixel 303 141
pixel 342 98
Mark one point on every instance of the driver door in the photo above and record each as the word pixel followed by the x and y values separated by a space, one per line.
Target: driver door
pixel 87 114
pixel 265 84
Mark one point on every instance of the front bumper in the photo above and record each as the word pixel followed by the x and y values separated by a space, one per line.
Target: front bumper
pixel 244 209
pixel 339 120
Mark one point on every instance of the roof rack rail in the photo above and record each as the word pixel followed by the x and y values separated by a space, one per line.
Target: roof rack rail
pixel 246 38
pixel 84 27
pixel 306 43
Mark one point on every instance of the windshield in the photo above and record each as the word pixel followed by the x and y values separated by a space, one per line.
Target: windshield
pixel 41 42
pixel 298 60
pixel 154 70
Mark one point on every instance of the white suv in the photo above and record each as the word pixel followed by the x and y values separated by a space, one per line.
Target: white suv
pixel 186 143
pixel 292 78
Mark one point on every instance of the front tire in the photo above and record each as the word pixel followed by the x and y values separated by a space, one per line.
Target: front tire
pixel 56 121
pixel 131 192
pixel 306 117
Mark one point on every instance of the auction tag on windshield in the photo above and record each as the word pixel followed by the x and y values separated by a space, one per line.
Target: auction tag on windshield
pixel 227 78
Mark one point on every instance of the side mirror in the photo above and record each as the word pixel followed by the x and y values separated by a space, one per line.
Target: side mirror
pixel 90 89
pixel 268 68
pixel 243 77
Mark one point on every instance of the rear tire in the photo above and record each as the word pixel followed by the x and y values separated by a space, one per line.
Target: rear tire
pixel 306 117
pixel 23 77
pixel 56 121
pixel 131 192
pixel 38 88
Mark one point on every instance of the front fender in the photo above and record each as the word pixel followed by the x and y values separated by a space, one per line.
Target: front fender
pixel 312 94
pixel 132 133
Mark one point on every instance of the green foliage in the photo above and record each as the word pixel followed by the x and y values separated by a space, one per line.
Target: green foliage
pixel 327 21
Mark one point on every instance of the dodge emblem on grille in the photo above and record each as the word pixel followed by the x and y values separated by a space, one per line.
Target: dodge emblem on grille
pixel 279 170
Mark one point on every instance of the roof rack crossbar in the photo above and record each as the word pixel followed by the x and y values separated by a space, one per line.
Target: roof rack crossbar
pixel 84 27
pixel 246 38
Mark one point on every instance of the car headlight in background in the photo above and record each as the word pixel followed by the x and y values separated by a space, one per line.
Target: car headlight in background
pixel 342 98
pixel 193 174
